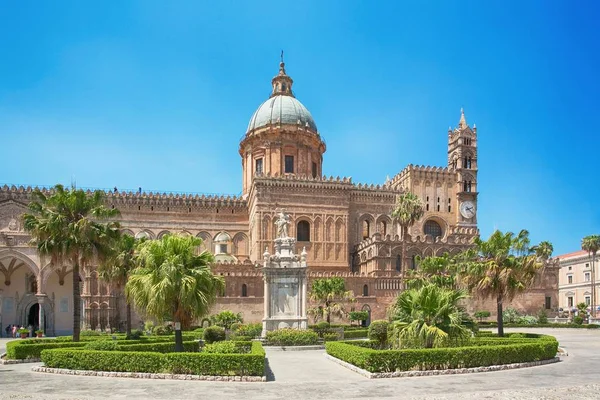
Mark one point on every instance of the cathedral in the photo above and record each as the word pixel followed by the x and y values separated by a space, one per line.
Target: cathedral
pixel 345 227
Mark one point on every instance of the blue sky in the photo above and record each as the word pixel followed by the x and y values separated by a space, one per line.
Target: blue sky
pixel 158 95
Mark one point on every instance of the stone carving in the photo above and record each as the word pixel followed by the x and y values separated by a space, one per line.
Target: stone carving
pixel 282 223
pixel 10 214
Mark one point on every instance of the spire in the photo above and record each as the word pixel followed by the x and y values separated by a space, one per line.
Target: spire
pixel 463 122
pixel 282 83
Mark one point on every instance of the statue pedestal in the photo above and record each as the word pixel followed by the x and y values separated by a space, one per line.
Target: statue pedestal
pixel 285 299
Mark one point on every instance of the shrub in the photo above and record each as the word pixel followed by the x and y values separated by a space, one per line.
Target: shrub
pixel 578 320
pixel 292 337
pixel 252 363
pixel 510 316
pixel 443 358
pixel 358 315
pixel 162 330
pixel 149 327
pixel 235 326
pixel 228 347
pixel 330 337
pixel 91 333
pixel 356 334
pixel 105 345
pixel 250 330
pixel 135 334
pixel 527 320
pixel 226 318
pixel 240 338
pixel 321 328
pixel 542 317
pixel 378 331
pixel 480 315
pixel 214 334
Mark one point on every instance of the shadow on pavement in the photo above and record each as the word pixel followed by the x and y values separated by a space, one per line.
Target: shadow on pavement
pixel 268 371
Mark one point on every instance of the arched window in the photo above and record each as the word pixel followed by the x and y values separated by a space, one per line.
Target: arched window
pixel 413 262
pixel 366 290
pixel 366 231
pixel 469 186
pixel 432 228
pixel 244 290
pixel 383 228
pixel 399 263
pixel 303 231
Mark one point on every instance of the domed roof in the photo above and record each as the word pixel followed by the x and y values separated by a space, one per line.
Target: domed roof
pixel 283 109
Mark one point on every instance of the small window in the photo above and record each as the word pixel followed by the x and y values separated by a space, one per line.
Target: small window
pixel 289 164
pixel 427 207
pixel 258 165
pixel 413 262
pixel 570 267
pixel 398 263
pixel 314 170
pixel 366 290
pixel 223 248
pixel 303 231
pixel 366 233
pixel 244 290
pixel 570 279
pixel 587 300
pixel 587 276
pixel 438 207
pixel 548 303
pixel 570 301
pixel 587 265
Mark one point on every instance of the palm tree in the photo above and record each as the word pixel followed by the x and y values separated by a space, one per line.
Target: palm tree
pixel 500 267
pixel 429 316
pixel 117 266
pixel 543 250
pixel 591 244
pixel 171 280
pixel 440 271
pixel 408 210
pixel 330 294
pixel 72 227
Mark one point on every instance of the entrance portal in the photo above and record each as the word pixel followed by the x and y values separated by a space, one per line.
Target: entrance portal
pixel 33 317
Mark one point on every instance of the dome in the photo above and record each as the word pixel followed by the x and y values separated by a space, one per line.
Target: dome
pixel 282 109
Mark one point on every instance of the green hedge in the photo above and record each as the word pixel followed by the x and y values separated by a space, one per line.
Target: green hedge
pixel 32 348
pixel 292 337
pixel 252 363
pixel 549 325
pixel 356 334
pixel 523 350
pixel 22 349
pixel 169 347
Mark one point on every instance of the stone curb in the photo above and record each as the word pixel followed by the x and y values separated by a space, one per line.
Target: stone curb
pixel 5 361
pixel 294 348
pixel 146 375
pixel 404 374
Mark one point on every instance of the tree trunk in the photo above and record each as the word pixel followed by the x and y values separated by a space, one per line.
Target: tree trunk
pixel 404 267
pixel 128 318
pixel 593 297
pixel 499 317
pixel 328 312
pixel 178 336
pixel 76 303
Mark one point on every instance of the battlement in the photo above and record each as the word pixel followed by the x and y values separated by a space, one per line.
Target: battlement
pixel 456 236
pixel 421 172
pixel 145 198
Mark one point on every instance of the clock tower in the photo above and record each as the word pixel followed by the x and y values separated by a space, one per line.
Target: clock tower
pixel 462 160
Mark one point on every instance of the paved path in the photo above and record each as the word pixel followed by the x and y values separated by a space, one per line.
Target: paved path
pixel 307 374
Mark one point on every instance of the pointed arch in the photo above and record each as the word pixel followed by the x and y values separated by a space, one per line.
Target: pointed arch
pixel 241 244
pixel 317 229
pixel 339 230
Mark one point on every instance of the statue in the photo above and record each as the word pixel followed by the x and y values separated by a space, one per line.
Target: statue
pixel 282 224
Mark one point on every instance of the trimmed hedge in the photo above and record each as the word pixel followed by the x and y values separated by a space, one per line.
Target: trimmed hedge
pixel 548 325
pixel 292 337
pixel 523 350
pixel 251 364
pixel 22 349
pixel 356 334
pixel 228 347
pixel 32 348
pixel 169 347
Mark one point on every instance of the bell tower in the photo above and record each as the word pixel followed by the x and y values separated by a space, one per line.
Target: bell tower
pixel 462 159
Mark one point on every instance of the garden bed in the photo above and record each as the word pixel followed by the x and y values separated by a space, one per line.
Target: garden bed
pixel 240 364
pixel 478 352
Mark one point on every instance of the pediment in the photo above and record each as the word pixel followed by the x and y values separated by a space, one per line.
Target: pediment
pixel 10 216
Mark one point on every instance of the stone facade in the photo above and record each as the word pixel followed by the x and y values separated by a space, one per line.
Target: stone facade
pixel 576 280
pixel 346 227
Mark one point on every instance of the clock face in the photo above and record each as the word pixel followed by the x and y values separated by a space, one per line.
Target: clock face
pixel 467 209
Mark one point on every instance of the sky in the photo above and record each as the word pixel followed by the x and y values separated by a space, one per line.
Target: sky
pixel 158 94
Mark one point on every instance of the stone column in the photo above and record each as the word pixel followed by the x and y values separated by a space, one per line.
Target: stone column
pixel 41 298
pixel 304 298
